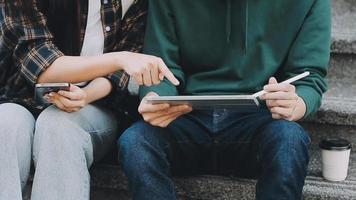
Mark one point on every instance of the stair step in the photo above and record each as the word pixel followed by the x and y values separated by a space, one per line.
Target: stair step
pixel 95 194
pixel 342 76
pixel 216 187
pixel 336 111
pixel 339 104
pixel 319 131
pixel 343 26
pixel 108 194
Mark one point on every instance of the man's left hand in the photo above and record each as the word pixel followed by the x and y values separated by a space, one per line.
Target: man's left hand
pixel 283 101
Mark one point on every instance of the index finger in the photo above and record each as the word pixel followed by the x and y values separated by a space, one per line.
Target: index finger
pixel 70 95
pixel 278 87
pixel 167 73
pixel 64 100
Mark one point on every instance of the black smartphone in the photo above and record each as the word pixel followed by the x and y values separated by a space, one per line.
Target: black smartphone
pixel 45 88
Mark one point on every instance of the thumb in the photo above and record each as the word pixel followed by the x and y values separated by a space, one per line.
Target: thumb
pixel 272 80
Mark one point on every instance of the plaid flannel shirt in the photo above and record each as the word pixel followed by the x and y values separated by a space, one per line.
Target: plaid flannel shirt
pixel 27 48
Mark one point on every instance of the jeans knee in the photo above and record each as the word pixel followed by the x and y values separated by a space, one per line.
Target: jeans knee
pixel 15 119
pixel 137 142
pixel 285 147
pixel 288 133
pixel 55 122
pixel 52 118
pixel 131 140
pixel 56 130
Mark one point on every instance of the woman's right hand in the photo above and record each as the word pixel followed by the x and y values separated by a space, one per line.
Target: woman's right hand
pixel 145 69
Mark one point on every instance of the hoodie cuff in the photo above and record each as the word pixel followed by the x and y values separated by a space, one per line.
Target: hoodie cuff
pixel 163 89
pixel 311 98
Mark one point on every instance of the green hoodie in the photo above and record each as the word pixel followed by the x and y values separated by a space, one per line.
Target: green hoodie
pixel 235 46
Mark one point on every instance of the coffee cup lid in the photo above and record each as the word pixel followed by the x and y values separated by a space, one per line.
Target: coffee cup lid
pixel 336 144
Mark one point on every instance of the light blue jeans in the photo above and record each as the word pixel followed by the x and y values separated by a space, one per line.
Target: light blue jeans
pixel 63 145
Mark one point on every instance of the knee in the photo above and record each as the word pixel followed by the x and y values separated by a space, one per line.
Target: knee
pixel 286 133
pixel 132 139
pixel 285 147
pixel 285 144
pixel 54 127
pixel 138 141
pixel 54 121
pixel 15 118
pixel 52 118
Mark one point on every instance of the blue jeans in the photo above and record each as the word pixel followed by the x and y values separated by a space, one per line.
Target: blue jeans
pixel 242 143
pixel 63 145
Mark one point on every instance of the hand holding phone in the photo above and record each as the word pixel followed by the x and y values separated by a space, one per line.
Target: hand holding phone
pixel 42 89
pixel 69 101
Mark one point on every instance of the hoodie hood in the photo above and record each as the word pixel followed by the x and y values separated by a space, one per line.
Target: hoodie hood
pixel 244 27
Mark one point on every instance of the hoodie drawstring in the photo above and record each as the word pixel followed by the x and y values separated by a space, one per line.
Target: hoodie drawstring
pixel 244 25
pixel 228 21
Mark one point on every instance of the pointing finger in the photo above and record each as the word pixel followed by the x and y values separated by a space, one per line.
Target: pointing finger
pixel 167 73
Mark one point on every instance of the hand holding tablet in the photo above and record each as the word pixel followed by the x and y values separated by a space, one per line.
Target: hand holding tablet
pixel 201 102
pixel 220 101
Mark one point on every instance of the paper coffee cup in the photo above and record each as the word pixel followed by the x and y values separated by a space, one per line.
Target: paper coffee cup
pixel 335 155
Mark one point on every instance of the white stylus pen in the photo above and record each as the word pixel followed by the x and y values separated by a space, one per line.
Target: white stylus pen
pixel 289 81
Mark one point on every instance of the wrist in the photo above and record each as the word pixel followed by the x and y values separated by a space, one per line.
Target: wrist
pixel 86 100
pixel 300 109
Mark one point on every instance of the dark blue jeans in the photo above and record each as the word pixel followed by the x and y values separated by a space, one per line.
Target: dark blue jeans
pixel 247 144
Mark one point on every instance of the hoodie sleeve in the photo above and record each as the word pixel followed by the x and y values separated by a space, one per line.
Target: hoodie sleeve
pixel 161 41
pixel 311 52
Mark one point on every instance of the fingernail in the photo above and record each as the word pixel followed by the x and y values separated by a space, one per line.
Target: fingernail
pixel 51 94
pixel 46 97
pixel 176 82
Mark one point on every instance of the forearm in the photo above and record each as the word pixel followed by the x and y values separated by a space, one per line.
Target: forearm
pixel 75 69
pixel 97 89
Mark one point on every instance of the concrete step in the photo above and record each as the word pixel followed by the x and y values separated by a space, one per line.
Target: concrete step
pixel 95 194
pixel 320 131
pixel 339 103
pixel 342 76
pixel 343 26
pixel 110 177
pixel 336 111
pixel 108 194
